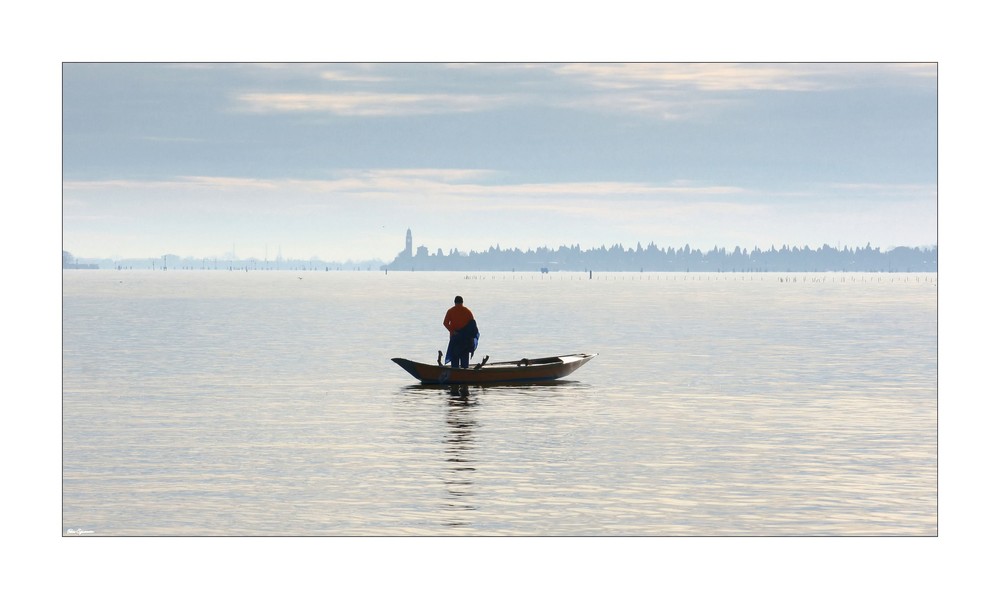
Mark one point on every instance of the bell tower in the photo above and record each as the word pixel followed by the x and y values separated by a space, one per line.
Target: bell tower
pixel 408 252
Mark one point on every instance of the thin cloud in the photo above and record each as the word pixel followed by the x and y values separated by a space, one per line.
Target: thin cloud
pixel 736 76
pixel 440 174
pixel 436 190
pixel 712 77
pixel 448 182
pixel 473 184
pixel 352 77
pixel 663 90
pixel 367 104
pixel 674 91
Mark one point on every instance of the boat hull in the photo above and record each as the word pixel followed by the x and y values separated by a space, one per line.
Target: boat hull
pixel 521 371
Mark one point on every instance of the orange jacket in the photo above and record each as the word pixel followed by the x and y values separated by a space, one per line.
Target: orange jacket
pixel 457 317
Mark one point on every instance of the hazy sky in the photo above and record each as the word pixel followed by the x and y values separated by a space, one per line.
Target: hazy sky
pixel 336 161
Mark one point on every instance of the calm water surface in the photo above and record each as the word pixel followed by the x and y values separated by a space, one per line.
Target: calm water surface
pixel 264 403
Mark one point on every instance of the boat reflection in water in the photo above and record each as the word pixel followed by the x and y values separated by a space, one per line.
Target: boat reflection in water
pixel 466 409
pixel 459 448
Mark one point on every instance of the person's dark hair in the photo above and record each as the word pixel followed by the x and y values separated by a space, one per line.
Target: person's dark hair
pixel 458 299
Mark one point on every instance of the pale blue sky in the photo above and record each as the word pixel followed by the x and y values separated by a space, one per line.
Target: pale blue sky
pixel 336 161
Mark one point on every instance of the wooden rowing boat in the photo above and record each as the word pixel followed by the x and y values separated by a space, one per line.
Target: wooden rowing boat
pixel 519 371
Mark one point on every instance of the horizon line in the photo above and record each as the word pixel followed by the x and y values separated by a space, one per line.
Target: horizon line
pixel 604 247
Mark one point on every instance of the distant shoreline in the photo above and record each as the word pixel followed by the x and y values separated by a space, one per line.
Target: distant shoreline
pixel 570 259
pixel 655 259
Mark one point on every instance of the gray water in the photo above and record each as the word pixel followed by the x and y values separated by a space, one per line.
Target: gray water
pixel 265 403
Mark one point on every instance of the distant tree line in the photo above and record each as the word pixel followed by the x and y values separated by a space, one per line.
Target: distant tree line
pixel 656 259
pixel 572 258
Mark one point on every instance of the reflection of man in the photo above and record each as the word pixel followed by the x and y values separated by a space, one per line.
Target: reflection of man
pixel 461 324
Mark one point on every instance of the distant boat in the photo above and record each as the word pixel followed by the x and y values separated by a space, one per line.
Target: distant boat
pixel 517 371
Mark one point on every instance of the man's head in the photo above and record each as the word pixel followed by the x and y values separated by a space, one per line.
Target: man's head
pixel 458 300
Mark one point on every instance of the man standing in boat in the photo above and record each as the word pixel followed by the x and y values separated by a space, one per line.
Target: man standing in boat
pixel 461 324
